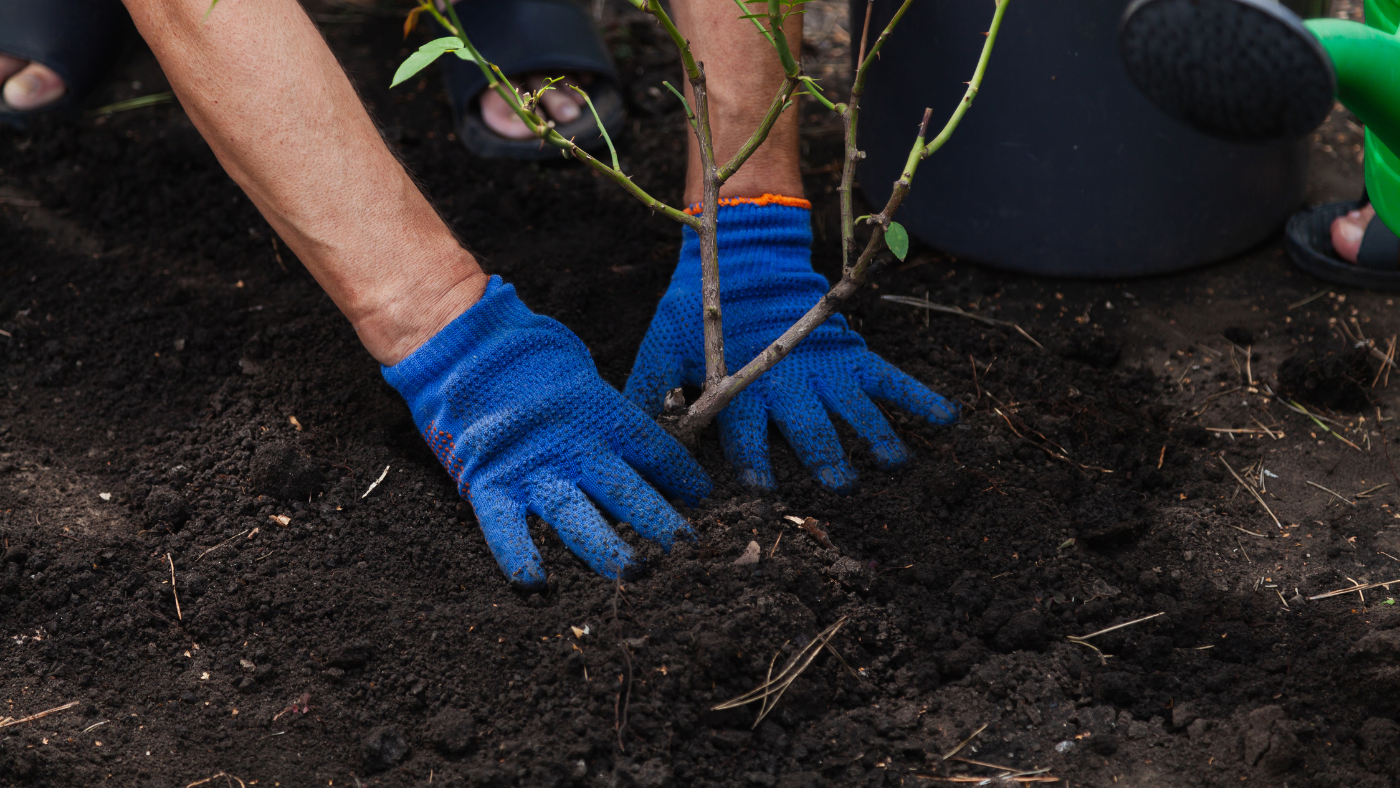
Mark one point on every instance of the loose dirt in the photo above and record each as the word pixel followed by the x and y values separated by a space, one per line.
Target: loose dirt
pixel 178 392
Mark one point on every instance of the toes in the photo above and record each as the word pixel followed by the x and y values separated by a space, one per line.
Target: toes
pixel 1347 232
pixel 560 105
pixel 500 118
pixel 34 86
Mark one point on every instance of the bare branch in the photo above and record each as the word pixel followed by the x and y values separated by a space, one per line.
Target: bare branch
pixel 715 369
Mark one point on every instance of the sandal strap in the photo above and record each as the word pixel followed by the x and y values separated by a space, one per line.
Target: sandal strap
pixel 1380 247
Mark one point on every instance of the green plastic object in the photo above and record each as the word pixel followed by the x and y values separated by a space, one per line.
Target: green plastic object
pixel 1367 61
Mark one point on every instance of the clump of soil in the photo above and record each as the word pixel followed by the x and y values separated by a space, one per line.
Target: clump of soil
pixel 1328 378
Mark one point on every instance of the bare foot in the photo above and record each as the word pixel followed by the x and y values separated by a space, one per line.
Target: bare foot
pixel 561 105
pixel 29 85
pixel 1347 232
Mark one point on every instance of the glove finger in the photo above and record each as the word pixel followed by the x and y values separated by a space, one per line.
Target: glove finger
pixel 503 524
pixel 844 397
pixel 803 421
pixel 882 379
pixel 581 528
pixel 625 495
pixel 743 432
pixel 660 457
pixel 654 373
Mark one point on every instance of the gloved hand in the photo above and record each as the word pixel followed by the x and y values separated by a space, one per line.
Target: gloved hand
pixel 514 409
pixel 766 284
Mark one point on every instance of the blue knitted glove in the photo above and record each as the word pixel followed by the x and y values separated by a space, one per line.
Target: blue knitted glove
pixel 766 284
pixel 514 409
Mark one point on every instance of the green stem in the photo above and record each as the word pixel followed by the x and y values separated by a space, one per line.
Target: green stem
pixel 775 111
pixel 689 113
pixel 870 57
pixel 601 128
pixel 754 18
pixel 973 86
pixel 780 42
pixel 653 7
pixel 853 152
pixel 815 92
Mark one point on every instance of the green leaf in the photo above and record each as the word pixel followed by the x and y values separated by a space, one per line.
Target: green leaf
pixel 897 239
pixel 440 45
pixel 416 62
pixel 464 55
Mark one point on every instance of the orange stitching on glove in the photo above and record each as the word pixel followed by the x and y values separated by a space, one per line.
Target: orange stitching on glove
pixel 767 199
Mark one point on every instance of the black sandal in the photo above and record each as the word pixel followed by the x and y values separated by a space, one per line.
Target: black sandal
pixel 1309 240
pixel 79 39
pixel 531 37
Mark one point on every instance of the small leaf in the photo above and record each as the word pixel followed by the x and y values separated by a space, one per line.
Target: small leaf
pixel 464 55
pixel 897 239
pixel 412 21
pixel 440 45
pixel 416 62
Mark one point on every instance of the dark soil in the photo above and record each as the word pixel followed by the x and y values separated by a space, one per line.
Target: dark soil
pixel 178 392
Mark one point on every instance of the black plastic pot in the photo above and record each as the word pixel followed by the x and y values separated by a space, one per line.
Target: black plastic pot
pixel 1060 167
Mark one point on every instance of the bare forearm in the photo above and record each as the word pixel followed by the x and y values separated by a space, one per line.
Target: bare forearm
pixel 263 88
pixel 742 76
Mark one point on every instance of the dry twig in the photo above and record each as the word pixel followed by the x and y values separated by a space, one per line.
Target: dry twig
pixel 771 690
pixel 965 742
pixel 1080 638
pixel 923 303
pixel 229 780
pixel 1034 777
pixel 1251 490
pixel 178 614
pixel 220 544
pixel 1331 492
pixel 7 722
pixel 1355 589
pixel 376 483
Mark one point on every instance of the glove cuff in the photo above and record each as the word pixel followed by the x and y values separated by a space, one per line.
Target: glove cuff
pixel 758 237
pixel 461 343
pixel 767 199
